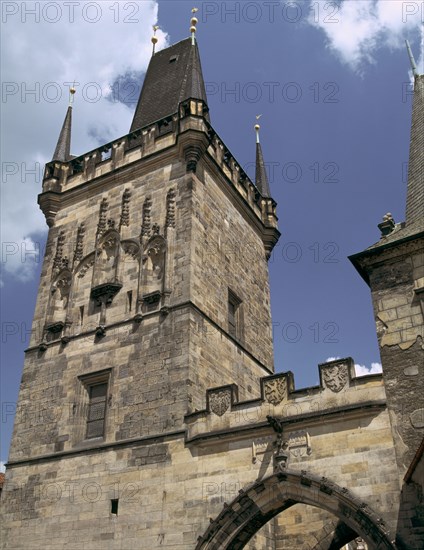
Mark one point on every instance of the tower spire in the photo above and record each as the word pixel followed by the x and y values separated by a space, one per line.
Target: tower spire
pixel 154 38
pixel 261 176
pixel 174 75
pixel 62 152
pixel 415 191
pixel 412 59
pixel 193 24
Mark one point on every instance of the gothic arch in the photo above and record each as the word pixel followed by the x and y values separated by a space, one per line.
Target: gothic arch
pixel 254 507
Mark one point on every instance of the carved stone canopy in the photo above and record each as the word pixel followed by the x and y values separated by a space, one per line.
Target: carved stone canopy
pixel 105 293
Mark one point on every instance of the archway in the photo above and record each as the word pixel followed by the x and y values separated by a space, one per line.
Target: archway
pixel 254 507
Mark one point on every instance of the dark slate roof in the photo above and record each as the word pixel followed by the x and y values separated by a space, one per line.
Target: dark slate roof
pixel 62 152
pixel 261 176
pixel 173 75
pixel 415 196
pixel 400 232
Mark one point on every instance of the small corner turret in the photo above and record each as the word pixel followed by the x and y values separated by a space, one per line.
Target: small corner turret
pixel 394 270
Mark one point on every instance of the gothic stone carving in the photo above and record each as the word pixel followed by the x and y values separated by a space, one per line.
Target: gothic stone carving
pixel 110 244
pixel 261 447
pixel 156 254
pixel 170 209
pixel 299 444
pixel 79 247
pixel 131 248
pixel 125 211
pixel 220 401
pixel 275 390
pixel 58 259
pixel 101 227
pixel 146 226
pixel 85 266
pixel 335 377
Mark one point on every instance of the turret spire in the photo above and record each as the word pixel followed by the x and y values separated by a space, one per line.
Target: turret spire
pixel 62 152
pixel 261 176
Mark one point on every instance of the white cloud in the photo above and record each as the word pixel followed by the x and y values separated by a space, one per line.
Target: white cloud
pixel 2 467
pixel 362 370
pixel 40 56
pixel 360 27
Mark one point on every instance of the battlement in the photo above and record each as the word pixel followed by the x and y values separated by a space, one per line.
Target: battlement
pixel 193 138
pixel 340 393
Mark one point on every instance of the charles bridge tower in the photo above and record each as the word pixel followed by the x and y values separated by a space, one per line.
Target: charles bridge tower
pixel 149 412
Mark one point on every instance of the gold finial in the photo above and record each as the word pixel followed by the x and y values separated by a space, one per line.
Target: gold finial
pixel 257 128
pixel 72 92
pixel 193 23
pixel 155 39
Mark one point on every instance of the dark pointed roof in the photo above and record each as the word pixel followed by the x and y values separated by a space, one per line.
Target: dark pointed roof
pixel 173 75
pixel 261 176
pixel 415 194
pixel 63 148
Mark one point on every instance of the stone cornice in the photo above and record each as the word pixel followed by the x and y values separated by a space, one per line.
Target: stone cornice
pixel 347 412
pixel 385 253
pixel 132 320
pixel 342 413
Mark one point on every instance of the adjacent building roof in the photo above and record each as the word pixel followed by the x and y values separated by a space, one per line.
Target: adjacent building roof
pixel 174 75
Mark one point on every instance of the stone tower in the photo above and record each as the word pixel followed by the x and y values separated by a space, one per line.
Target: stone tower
pixel 154 287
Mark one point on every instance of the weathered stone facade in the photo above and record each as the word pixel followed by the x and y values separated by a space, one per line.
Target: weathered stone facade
pixel 154 292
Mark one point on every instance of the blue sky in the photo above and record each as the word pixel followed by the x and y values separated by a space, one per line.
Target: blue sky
pixel 332 84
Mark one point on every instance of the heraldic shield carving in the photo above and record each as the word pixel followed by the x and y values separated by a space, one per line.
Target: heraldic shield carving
pixel 335 377
pixel 275 390
pixel 220 401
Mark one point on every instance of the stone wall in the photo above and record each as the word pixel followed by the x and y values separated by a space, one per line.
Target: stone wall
pixel 394 281
pixel 168 487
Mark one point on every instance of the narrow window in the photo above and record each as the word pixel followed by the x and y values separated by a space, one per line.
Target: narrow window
pixel 106 154
pixel 129 301
pixel 114 506
pixel 96 410
pixel 234 317
pixel 81 310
